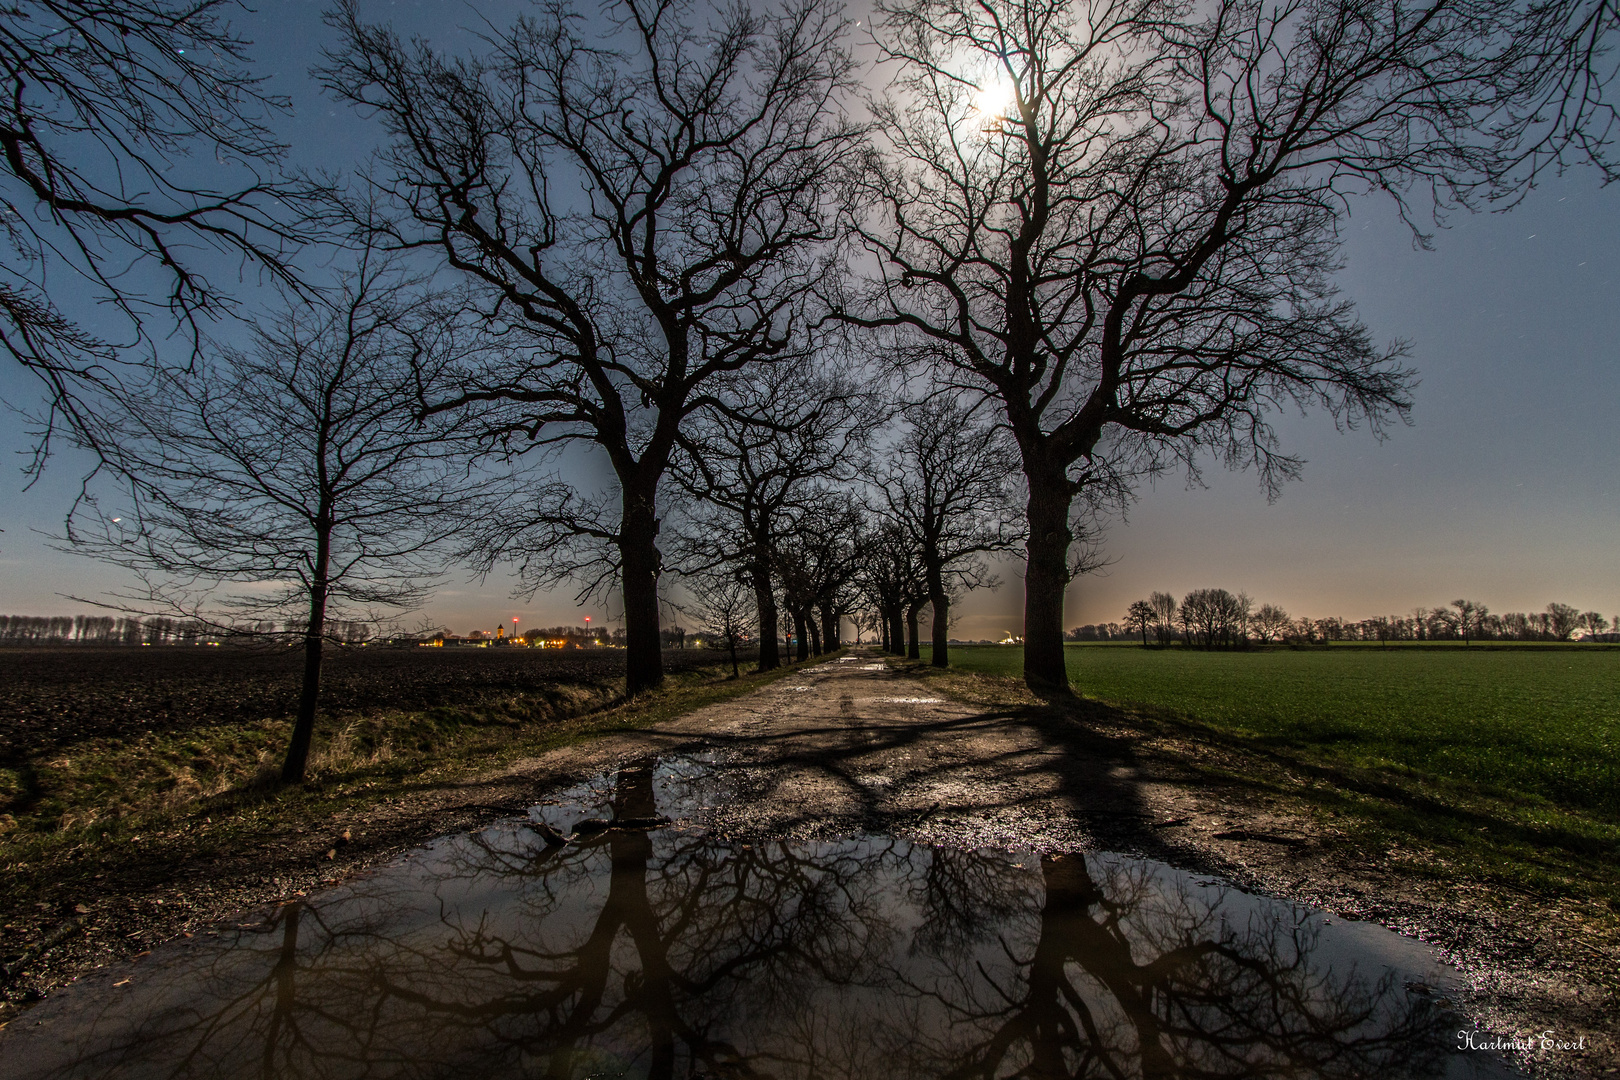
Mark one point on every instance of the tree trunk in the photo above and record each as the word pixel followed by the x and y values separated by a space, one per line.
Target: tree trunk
pixel 883 625
pixel 303 733
pixel 829 627
pixel 942 610
pixel 1046 577
pixel 913 639
pixel 640 564
pixel 801 643
pixel 770 653
pixel 731 639
pixel 897 629
pixel 815 632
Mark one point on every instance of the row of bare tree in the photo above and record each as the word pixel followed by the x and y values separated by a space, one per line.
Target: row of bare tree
pixel 685 243
pixel 1215 618
pixel 854 509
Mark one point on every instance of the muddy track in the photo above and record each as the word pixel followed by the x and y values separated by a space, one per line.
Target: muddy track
pixel 850 746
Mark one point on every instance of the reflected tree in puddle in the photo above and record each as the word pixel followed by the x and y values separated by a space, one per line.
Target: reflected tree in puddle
pixel 685 940
pixel 1124 978
pixel 669 954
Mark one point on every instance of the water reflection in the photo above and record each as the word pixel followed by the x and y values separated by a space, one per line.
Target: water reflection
pixel 668 954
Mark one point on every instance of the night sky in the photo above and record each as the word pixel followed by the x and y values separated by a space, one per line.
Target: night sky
pixel 1503 490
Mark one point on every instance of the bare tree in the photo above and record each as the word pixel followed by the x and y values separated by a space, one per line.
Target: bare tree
pixel 1120 224
pixel 704 141
pixel 891 577
pixel 105 103
pixel 1164 611
pixel 1470 614
pixel 758 461
pixel 1558 108
pixel 816 555
pixel 947 484
pixel 798 592
pixel 1215 616
pixel 1140 617
pixel 1562 621
pixel 723 604
pixel 295 471
pixel 818 559
pixel 1271 621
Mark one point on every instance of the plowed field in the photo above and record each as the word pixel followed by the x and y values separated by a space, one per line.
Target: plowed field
pixel 54 698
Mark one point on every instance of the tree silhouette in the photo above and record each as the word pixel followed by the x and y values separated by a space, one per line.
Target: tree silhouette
pixel 1120 225
pixel 946 484
pixel 296 471
pixel 755 467
pixel 105 105
pixel 706 154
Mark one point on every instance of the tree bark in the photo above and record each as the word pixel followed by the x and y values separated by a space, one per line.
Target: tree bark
pixel 815 633
pixel 829 627
pixel 770 652
pixel 942 610
pixel 303 733
pixel 1045 579
pixel 640 562
pixel 913 639
pixel 883 626
pixel 897 629
pixel 801 643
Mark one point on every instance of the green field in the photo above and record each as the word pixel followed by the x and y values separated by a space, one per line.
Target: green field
pixel 1521 745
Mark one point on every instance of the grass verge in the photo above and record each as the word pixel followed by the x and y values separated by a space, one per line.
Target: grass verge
pixel 1498 768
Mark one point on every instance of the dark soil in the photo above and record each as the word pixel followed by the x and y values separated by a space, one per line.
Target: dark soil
pixel 55 697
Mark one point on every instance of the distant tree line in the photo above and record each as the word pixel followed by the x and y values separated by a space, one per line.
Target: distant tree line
pixel 1098 632
pixel 1216 618
pixel 162 630
pixel 101 630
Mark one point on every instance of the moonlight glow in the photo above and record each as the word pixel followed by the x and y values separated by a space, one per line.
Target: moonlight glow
pixel 995 98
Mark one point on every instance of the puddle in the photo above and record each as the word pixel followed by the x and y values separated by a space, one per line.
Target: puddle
pixel 655 952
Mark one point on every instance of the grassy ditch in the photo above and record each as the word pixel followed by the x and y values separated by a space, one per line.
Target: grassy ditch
pixel 1500 766
pixel 119 783
pixel 116 807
